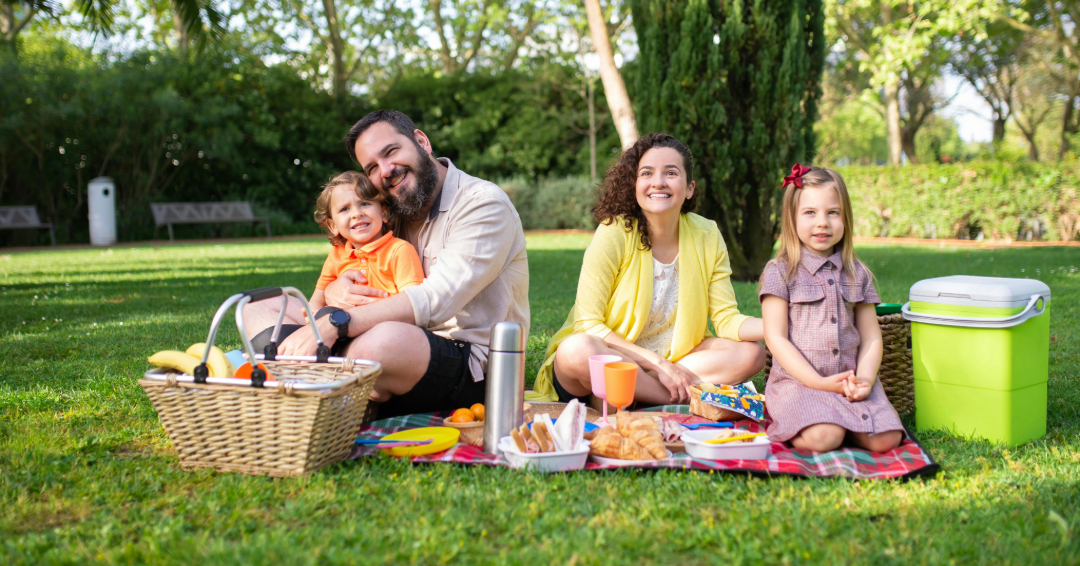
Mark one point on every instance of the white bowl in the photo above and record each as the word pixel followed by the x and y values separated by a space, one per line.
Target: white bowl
pixel 545 461
pixel 694 440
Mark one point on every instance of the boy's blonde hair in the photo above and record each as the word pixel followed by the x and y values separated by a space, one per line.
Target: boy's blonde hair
pixel 364 189
pixel 790 250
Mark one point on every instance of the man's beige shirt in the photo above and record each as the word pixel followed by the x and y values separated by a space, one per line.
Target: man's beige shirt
pixel 473 250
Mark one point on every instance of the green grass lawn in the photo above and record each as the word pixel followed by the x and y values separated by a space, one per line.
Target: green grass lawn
pixel 87 475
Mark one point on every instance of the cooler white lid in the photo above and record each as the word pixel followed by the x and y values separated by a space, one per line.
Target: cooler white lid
pixel 969 290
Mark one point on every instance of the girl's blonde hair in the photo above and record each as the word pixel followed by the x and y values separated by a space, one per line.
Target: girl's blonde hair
pixel 790 250
pixel 364 189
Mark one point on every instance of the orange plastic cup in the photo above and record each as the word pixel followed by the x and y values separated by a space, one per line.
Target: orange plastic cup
pixel 619 380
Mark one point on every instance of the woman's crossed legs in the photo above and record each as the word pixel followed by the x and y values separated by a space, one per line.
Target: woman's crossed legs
pixel 714 360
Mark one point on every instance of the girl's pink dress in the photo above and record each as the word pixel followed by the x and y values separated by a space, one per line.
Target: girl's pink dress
pixel 821 324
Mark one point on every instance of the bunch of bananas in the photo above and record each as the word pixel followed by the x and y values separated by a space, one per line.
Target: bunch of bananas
pixel 216 363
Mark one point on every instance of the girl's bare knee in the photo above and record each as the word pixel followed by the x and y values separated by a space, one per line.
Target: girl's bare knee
pixel 819 438
pixel 884 442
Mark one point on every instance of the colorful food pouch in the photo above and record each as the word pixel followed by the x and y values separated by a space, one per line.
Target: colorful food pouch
pixel 743 399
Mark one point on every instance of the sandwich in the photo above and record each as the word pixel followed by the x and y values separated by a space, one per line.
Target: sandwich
pixel 542 432
pixel 524 440
pixel 570 427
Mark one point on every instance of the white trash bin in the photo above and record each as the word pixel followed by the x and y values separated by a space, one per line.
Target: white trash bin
pixel 102 205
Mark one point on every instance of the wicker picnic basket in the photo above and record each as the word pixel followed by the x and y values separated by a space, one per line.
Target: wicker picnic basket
pixel 302 417
pixel 895 373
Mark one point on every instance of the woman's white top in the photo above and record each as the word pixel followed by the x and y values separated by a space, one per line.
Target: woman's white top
pixel 660 326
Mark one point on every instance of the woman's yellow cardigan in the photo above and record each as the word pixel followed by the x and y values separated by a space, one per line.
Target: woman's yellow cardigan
pixel 615 288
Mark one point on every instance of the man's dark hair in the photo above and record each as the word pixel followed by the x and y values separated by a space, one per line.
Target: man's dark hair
pixel 399 121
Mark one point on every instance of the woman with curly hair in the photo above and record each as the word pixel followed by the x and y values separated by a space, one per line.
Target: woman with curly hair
pixel 654 280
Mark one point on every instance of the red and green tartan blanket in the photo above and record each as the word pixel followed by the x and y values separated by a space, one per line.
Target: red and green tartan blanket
pixel 909 460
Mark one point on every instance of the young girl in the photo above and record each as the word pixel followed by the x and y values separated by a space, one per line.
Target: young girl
pixel 817 302
pixel 354 215
pixel 653 280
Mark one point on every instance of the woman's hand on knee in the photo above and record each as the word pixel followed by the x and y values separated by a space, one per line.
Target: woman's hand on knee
pixel 676 380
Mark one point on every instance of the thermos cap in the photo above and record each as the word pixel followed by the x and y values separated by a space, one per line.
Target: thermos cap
pixel 507 337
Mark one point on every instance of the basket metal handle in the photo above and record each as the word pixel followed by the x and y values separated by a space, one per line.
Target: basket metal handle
pixel 1036 305
pixel 258 376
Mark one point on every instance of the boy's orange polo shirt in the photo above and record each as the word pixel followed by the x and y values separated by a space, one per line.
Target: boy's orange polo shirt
pixel 389 263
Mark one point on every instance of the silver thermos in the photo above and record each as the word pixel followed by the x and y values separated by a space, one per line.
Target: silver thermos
pixel 505 383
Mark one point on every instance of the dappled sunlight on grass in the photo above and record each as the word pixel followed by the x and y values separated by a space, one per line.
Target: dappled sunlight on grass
pixel 89 475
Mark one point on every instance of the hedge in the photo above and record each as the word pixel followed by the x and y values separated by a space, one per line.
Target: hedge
pixel 991 200
pixel 977 200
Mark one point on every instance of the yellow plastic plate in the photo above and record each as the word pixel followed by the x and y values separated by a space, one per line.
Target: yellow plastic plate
pixel 442 437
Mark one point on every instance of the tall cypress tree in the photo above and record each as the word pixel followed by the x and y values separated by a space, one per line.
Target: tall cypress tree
pixel 739 82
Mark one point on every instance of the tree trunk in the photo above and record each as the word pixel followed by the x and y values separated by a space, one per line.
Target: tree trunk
pixel 893 139
pixel 1066 127
pixel 592 130
pixel 337 49
pixel 1033 149
pixel 614 87
pixel 999 130
pixel 907 143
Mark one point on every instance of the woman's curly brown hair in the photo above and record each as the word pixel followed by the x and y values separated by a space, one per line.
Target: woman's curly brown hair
pixel 618 197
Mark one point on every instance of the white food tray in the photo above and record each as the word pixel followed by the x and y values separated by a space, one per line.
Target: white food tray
pixel 694 440
pixel 545 461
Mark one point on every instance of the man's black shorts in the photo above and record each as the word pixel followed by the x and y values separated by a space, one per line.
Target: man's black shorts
pixel 446 385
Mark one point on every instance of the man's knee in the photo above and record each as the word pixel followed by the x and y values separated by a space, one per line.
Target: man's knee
pixel 388 339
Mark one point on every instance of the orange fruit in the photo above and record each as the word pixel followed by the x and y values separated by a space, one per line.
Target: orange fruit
pixel 244 371
pixel 478 411
pixel 462 416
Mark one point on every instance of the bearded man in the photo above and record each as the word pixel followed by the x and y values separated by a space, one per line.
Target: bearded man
pixel 432 340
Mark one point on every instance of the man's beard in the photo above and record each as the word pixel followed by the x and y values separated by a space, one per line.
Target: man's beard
pixel 410 205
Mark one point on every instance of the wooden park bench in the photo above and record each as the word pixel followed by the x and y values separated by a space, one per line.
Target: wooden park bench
pixel 17 217
pixel 169 213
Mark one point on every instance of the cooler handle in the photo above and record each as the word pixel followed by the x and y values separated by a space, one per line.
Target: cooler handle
pixel 1036 306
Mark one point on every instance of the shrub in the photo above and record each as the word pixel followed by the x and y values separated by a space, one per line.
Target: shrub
pixel 994 200
pixel 553 204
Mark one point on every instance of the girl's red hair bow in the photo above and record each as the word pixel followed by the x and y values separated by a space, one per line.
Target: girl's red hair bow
pixel 795 178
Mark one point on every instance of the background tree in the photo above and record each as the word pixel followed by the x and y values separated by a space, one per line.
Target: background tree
pixel 196 21
pixel 488 33
pixel 898 39
pixel 920 99
pixel 1041 78
pixel 1054 22
pixel 350 38
pixel 1033 100
pixel 990 64
pixel 851 128
pixel 740 85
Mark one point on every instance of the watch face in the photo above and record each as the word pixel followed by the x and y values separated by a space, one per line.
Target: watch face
pixel 339 318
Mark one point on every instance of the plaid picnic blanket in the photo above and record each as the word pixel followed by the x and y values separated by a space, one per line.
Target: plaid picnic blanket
pixel 909 460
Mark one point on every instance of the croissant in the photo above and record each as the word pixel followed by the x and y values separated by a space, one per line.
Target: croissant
pixel 645 432
pixel 610 444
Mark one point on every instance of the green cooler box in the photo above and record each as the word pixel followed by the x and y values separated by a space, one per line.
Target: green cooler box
pixel 980 350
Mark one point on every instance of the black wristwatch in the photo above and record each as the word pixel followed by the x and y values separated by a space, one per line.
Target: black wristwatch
pixel 340 319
